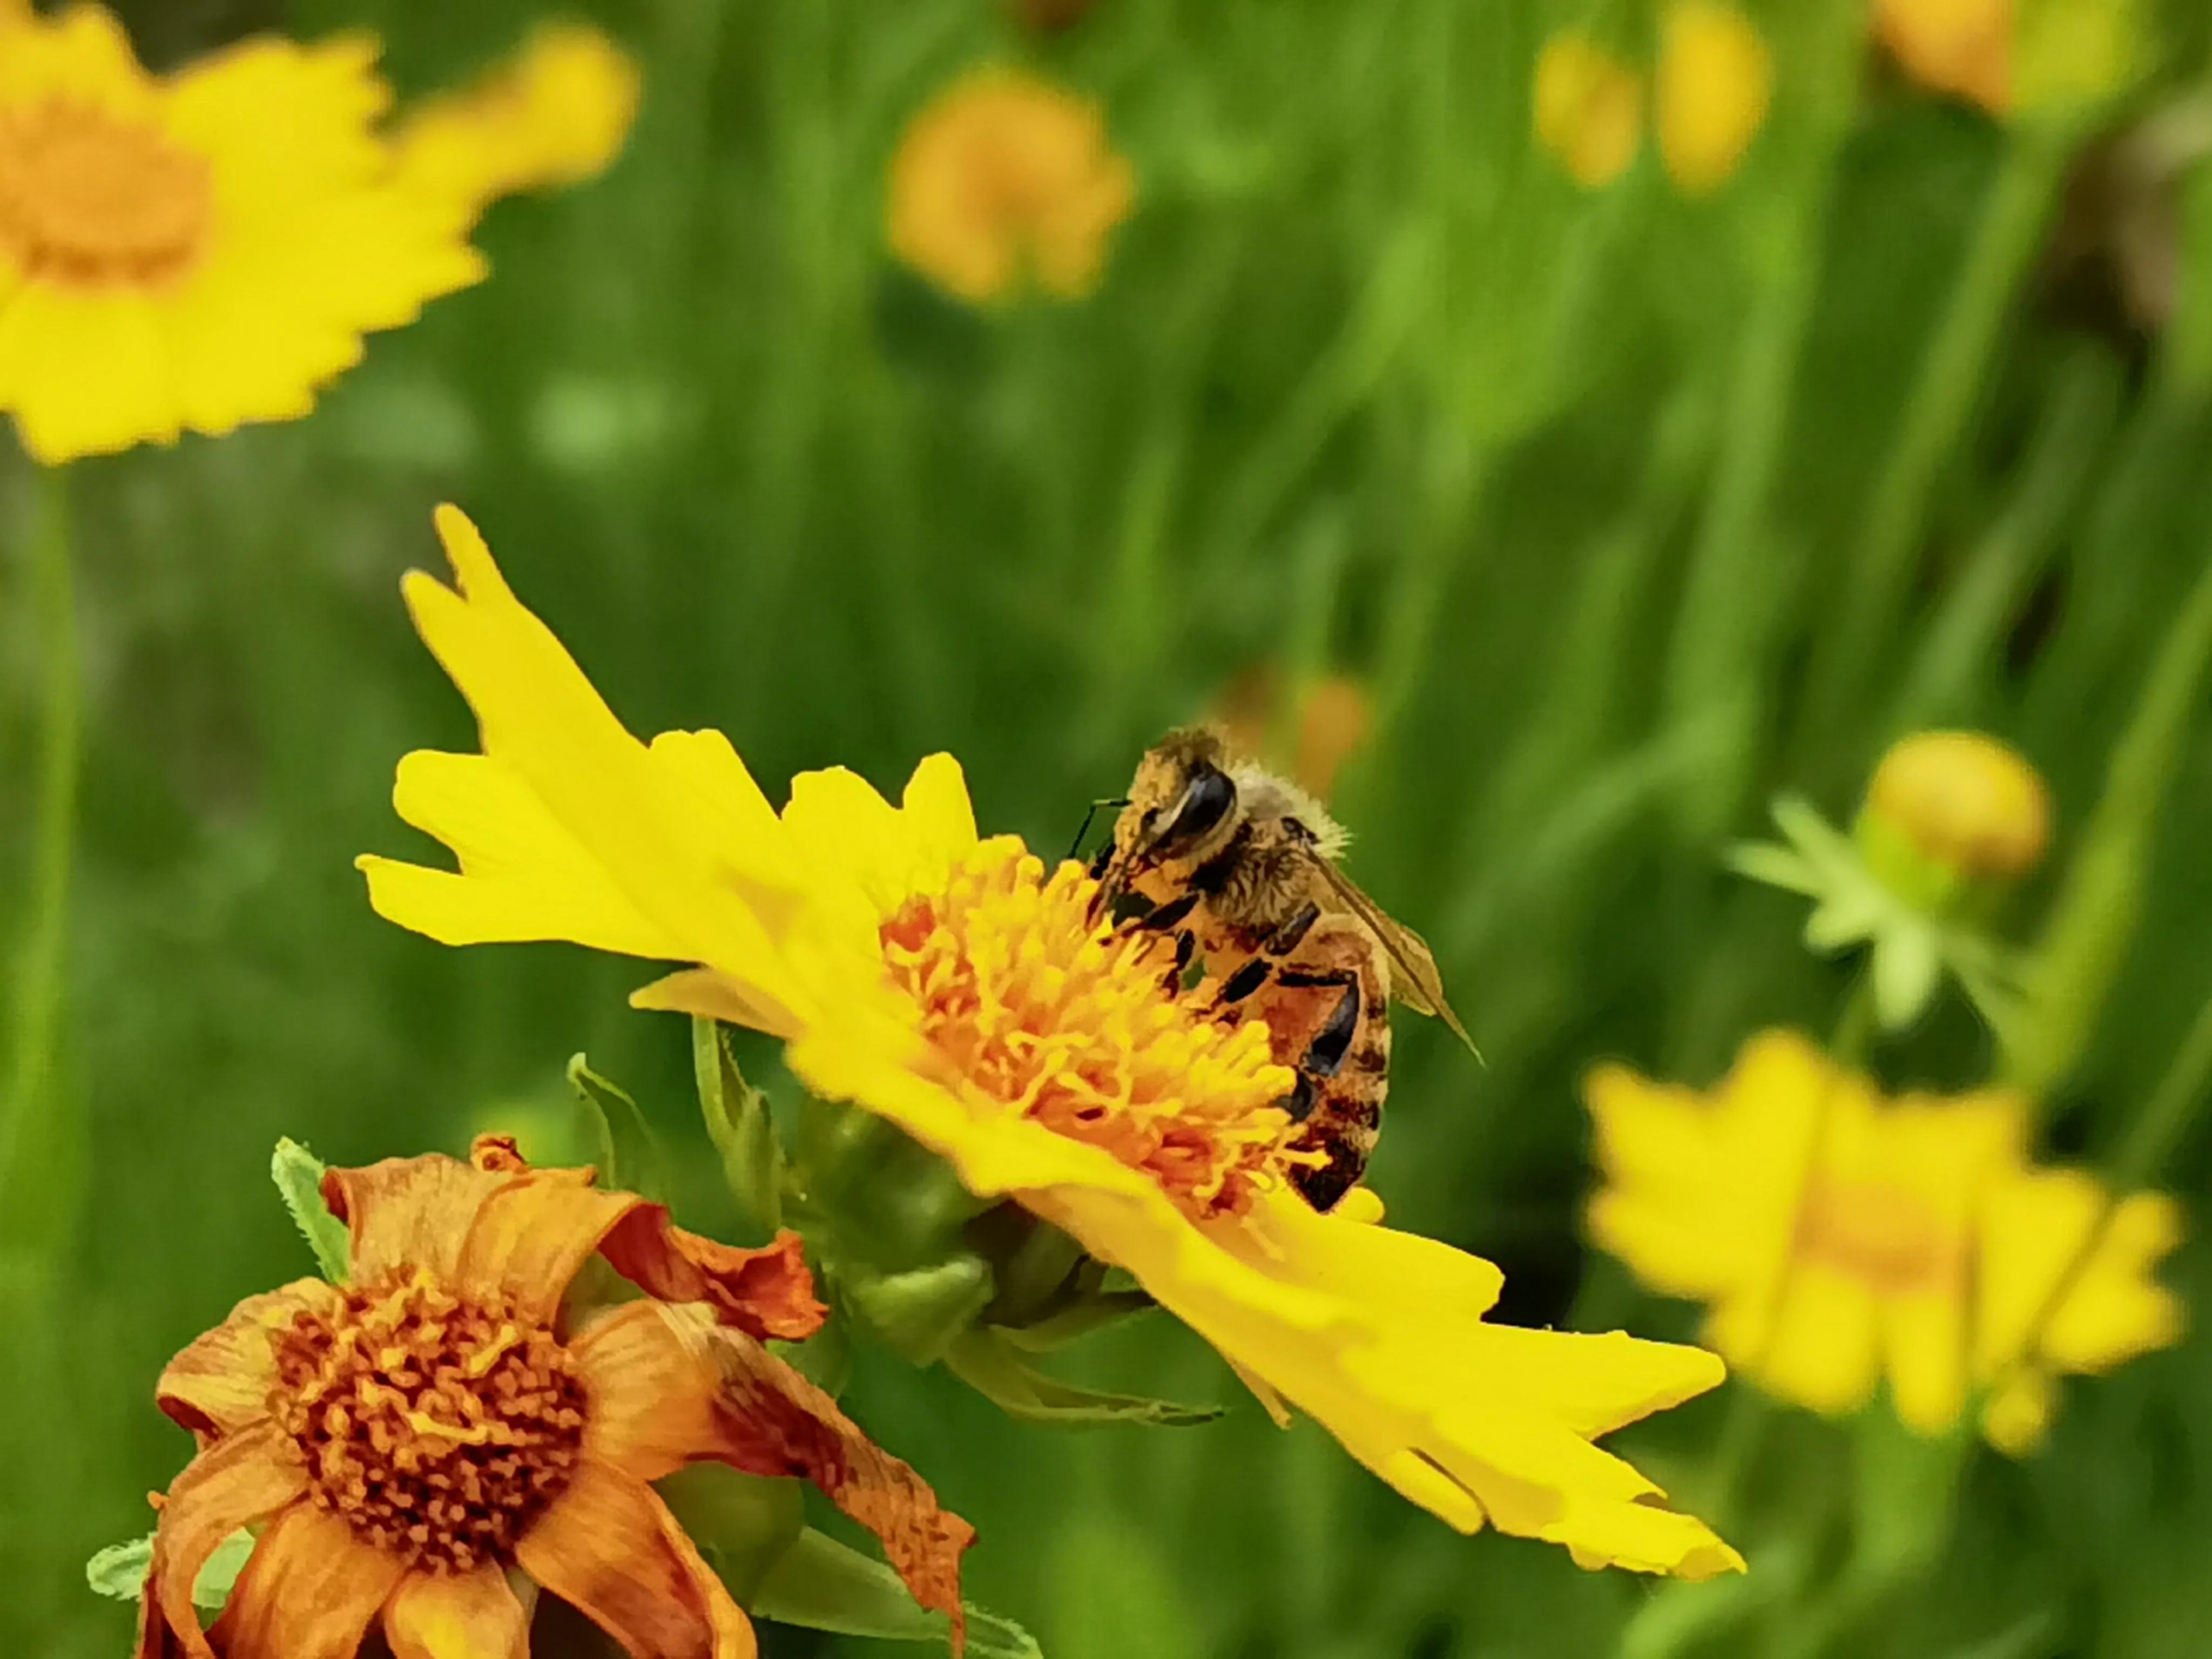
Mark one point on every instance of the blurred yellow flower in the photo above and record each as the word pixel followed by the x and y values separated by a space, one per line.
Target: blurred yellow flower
pixel 557 112
pixel 1716 76
pixel 952 985
pixel 1960 46
pixel 1589 108
pixel 1841 1239
pixel 1965 802
pixel 196 250
pixel 2055 55
pixel 1004 181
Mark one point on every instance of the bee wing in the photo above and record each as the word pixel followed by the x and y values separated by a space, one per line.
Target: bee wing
pixel 1413 980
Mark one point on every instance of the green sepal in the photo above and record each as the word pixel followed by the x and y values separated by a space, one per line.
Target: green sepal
pixel 918 1314
pixel 744 1524
pixel 888 1199
pixel 819 1583
pixel 1094 1312
pixel 989 1363
pixel 630 1153
pixel 119 1571
pixel 298 1174
pixel 743 1132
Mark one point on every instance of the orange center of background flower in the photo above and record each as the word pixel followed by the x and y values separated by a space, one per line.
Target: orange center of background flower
pixel 1037 1011
pixel 439 1428
pixel 90 200
pixel 1880 1235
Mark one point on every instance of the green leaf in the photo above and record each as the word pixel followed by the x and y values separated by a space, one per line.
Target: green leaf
pixel 738 1121
pixel 631 1155
pixel 987 1363
pixel 119 1571
pixel 819 1583
pixel 298 1174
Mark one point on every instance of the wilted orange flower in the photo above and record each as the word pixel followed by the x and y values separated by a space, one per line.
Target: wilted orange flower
pixel 196 250
pixel 1006 180
pixel 430 1443
pixel 557 112
pixel 1841 1239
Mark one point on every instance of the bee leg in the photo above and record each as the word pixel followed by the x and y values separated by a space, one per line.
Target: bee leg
pixel 1165 918
pixel 1290 934
pixel 1186 948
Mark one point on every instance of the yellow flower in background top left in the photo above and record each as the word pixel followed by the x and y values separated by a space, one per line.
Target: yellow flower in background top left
pixel 197 250
pixel 556 112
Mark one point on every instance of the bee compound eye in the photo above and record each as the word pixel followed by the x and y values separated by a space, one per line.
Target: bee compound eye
pixel 1205 801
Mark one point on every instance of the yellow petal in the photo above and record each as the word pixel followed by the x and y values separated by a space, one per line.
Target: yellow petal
pixel 1824 1352
pixel 1924 1342
pixel 585 833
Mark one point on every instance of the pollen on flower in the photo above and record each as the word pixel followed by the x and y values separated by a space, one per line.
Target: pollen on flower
pixel 94 201
pixel 437 1427
pixel 1039 1011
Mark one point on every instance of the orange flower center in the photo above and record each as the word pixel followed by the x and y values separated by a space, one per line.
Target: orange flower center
pixel 1884 1236
pixel 1036 1011
pixel 91 200
pixel 437 1427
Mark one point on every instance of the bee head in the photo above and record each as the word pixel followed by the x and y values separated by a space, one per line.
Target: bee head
pixel 1182 804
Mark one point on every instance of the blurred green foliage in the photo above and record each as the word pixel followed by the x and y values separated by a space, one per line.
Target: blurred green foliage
pixel 1630 509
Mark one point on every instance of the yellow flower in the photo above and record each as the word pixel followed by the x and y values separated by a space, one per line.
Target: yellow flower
pixel 558 113
pixel 954 987
pixel 1840 1239
pixel 1965 802
pixel 1716 76
pixel 424 1442
pixel 1960 46
pixel 196 250
pixel 1005 180
pixel 1590 108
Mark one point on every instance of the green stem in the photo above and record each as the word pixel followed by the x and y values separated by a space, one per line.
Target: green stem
pixel 42 965
pixel 1729 610
pixel 1934 419
pixel 2181 1095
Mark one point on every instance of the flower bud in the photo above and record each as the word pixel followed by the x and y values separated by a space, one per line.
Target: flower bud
pixel 1715 79
pixel 1952 809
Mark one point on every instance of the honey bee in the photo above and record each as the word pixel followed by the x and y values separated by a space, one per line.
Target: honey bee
pixel 1240 866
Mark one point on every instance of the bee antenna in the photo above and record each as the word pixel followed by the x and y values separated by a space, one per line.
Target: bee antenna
pixel 1116 802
